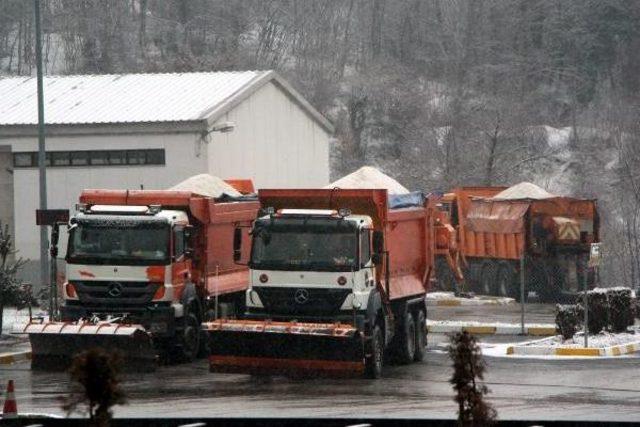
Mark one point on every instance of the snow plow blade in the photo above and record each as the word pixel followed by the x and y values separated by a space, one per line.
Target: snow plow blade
pixel 54 344
pixel 285 348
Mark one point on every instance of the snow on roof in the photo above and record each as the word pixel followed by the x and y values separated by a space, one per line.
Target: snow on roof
pixel 524 190
pixel 370 178
pixel 135 98
pixel 206 185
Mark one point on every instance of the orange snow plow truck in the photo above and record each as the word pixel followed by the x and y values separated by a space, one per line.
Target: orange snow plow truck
pixel 144 269
pixel 338 278
pixel 497 226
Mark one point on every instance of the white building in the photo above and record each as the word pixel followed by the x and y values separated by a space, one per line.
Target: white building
pixel 151 131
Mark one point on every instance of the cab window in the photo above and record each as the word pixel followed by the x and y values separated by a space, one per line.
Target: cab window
pixel 365 246
pixel 178 242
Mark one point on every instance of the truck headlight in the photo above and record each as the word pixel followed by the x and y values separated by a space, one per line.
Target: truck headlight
pixel 355 303
pixel 254 299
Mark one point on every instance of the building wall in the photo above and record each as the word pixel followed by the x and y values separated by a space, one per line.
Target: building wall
pixel 184 157
pixel 6 188
pixel 274 142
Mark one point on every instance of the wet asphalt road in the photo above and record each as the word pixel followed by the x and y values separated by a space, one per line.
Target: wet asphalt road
pixel 578 389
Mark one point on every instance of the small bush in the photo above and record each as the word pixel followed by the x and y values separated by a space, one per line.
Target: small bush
pixel 568 319
pixel 620 309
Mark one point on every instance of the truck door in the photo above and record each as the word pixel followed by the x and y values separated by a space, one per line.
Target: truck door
pixel 365 257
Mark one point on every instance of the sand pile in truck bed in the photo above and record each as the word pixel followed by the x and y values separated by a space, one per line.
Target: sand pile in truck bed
pixel 524 190
pixel 368 177
pixel 206 185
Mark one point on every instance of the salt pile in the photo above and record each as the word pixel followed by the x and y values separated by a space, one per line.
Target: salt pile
pixel 524 190
pixel 368 177
pixel 206 185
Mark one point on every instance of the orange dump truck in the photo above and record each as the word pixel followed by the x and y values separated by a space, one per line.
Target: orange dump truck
pixel 144 269
pixel 494 232
pixel 337 278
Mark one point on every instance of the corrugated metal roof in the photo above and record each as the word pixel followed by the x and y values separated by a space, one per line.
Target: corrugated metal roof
pixel 125 98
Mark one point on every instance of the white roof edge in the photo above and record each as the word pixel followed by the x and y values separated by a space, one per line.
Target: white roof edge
pixel 212 115
pixel 298 98
pixel 206 117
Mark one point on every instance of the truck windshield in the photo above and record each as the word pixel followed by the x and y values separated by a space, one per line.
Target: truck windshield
pixel 119 243
pixel 304 244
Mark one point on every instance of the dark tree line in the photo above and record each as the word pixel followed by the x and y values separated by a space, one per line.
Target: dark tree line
pixel 438 93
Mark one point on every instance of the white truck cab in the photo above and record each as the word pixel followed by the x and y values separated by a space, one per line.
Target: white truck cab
pixel 310 264
pixel 122 260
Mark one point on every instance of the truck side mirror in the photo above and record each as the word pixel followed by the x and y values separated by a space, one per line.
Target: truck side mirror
pixel 237 244
pixel 376 258
pixel 188 241
pixel 378 242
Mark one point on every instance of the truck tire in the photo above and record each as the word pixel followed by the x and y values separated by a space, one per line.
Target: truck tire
pixel 487 279
pixel 445 278
pixel 544 284
pixel 421 336
pixel 189 338
pixel 373 362
pixel 505 281
pixel 407 339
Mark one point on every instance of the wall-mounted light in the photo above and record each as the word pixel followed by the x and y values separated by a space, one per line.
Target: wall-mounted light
pixel 223 127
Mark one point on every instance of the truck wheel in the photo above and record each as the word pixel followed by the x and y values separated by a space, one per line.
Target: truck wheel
pixel 407 340
pixel 373 363
pixel 487 279
pixel 421 336
pixel 505 281
pixel 189 338
pixel 445 278
pixel 544 283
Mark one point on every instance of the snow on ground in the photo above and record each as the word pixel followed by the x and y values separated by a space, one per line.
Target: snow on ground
pixel 468 323
pixel 440 295
pixel 500 350
pixel 557 139
pixel 601 340
pixel 14 320
pixel 451 296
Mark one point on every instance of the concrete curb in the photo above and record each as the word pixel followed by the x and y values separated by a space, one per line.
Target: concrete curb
pixel 488 329
pixel 616 350
pixel 19 356
pixel 455 302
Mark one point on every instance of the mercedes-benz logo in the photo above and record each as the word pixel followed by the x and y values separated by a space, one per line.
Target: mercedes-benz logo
pixel 301 296
pixel 115 289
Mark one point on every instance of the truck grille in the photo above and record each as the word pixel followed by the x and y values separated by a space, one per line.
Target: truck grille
pixel 106 293
pixel 302 301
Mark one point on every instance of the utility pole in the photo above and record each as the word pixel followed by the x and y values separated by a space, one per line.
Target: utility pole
pixel 41 160
pixel 522 292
